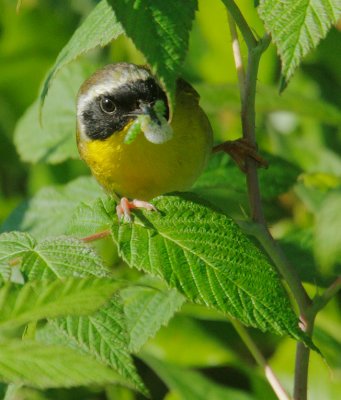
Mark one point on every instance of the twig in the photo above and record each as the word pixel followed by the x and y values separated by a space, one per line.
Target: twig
pixel 302 352
pixel 249 343
pixel 260 360
pixel 96 236
pixel 321 301
pixel 238 17
pixel 237 55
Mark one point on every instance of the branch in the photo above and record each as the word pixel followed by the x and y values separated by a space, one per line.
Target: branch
pixel 302 352
pixel 243 26
pixel 237 55
pixel 246 338
pixel 260 360
pixel 321 301
pixel 255 50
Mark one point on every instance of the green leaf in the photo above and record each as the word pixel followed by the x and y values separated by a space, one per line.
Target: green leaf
pixel 297 27
pixel 21 304
pixel 88 219
pixel 62 257
pixel 58 257
pixel 30 363
pixel 98 29
pixel 204 254
pixel 328 234
pixel 103 335
pixel 48 213
pixel 223 173
pixel 53 141
pixel 190 385
pixel 147 308
pixel 160 30
pixel 14 245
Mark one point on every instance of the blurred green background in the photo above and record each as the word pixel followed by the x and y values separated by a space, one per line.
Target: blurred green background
pixel 302 126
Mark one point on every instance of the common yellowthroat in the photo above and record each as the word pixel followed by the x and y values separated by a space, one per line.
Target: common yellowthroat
pixel 165 156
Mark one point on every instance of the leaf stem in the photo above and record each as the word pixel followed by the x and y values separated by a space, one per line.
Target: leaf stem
pixel 260 360
pixel 96 236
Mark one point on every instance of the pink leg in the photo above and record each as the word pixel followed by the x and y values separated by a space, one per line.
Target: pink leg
pixel 123 209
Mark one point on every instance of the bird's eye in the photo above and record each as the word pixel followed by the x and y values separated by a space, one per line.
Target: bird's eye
pixel 107 105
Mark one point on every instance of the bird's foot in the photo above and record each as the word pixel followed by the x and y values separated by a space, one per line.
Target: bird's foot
pixel 240 150
pixel 124 207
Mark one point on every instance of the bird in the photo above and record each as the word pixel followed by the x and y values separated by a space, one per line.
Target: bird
pixel 132 144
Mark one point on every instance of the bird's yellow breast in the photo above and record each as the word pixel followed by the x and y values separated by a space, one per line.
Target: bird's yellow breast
pixel 143 169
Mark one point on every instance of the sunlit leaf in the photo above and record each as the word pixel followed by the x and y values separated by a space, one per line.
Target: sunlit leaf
pixel 58 257
pixel 31 363
pixel 55 140
pixel 48 213
pixel 147 308
pixel 205 255
pixel 99 29
pixel 297 27
pixel 21 304
pixel 160 30
pixel 103 335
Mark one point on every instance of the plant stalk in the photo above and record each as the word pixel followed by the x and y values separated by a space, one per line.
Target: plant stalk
pixel 260 360
pixel 248 117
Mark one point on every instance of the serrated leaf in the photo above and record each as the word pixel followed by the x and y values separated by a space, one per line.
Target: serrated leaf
pixel 191 385
pixel 91 218
pixel 223 173
pixel 21 304
pixel 58 257
pixel 204 254
pixel 49 211
pixel 31 363
pixel 160 30
pixel 297 27
pixel 147 309
pixel 328 235
pixel 15 244
pixel 53 141
pixel 103 335
pixel 98 29
pixel 62 257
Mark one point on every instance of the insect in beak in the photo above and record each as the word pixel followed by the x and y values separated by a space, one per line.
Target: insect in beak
pixel 146 109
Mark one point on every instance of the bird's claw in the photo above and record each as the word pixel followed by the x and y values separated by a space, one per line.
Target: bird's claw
pixel 240 150
pixel 124 207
